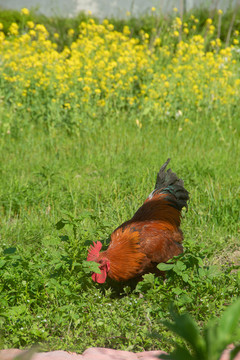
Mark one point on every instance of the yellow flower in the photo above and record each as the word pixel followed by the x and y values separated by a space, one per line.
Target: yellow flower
pixel 185 30
pixel 32 32
pixel 211 28
pixel 56 36
pixel 235 41
pixel 126 30
pixel 13 29
pixel 2 36
pixel 86 89
pixel 179 22
pixel 25 11
pixel 220 12
pixel 101 102
pixel 1 26
pixel 153 9
pixel 175 9
pixel 41 28
pixel 157 42
pixel 176 33
pixel 71 32
pixel 30 24
pixel 209 21
pixel 110 27
pixel 128 13
pixel 67 106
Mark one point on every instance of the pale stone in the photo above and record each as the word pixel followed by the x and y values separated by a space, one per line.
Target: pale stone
pixel 97 354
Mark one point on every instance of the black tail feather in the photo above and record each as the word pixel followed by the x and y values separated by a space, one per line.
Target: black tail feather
pixel 168 182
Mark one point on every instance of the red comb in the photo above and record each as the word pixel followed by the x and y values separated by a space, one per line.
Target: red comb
pixel 93 252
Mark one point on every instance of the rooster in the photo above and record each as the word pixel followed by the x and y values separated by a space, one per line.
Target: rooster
pixel 150 237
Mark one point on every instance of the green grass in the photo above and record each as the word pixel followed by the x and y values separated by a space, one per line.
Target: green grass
pixel 76 163
pixel 100 177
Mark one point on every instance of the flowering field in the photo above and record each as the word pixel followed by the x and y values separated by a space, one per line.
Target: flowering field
pixel 105 69
pixel 83 133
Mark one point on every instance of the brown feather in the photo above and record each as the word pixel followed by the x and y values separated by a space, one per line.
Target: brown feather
pixel 124 254
pixel 157 209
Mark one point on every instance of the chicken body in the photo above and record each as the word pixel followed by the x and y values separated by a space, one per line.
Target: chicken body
pixel 152 236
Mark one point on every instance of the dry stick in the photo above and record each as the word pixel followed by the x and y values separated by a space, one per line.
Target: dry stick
pixel 231 26
pixel 219 25
pixel 132 6
pixel 213 9
pixel 182 11
pixel 158 31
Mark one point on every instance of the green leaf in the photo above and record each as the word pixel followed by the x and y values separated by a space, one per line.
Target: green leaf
pixel 184 299
pixel 179 267
pixel 185 277
pixel 213 271
pixel 186 327
pixel 2 263
pixel 234 352
pixel 149 278
pixel 201 272
pixel 147 283
pixel 64 238
pixel 165 357
pixel 180 353
pixel 91 266
pixel 219 335
pixel 85 215
pixel 17 310
pixel 28 355
pixel 60 224
pixel 165 267
pixel 229 321
pixel 177 290
pixel 9 251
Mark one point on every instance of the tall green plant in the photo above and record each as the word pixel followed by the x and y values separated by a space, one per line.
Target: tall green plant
pixel 209 345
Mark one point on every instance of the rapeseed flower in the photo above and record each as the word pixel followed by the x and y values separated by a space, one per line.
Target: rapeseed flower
pixel 13 29
pixel 71 32
pixel 25 11
pixel 30 24
pixel 105 68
